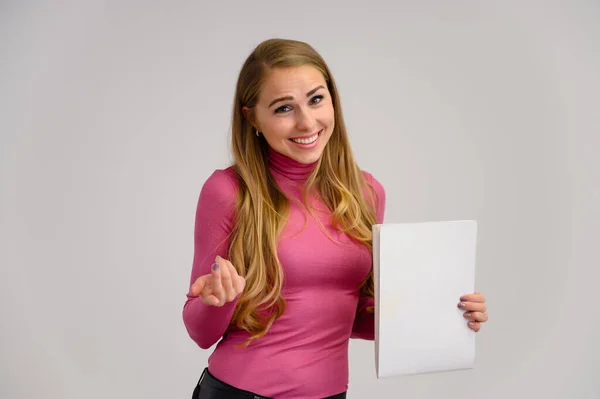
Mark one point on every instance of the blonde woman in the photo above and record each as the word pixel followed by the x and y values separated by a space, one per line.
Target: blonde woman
pixel 282 269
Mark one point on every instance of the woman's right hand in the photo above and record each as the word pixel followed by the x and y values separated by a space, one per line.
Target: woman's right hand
pixel 221 286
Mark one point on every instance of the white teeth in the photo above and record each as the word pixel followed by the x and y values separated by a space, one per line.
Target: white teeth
pixel 309 140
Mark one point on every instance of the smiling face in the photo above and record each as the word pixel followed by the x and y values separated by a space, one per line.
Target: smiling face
pixel 294 112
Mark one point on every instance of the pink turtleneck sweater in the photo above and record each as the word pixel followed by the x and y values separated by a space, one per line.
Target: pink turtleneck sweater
pixel 305 353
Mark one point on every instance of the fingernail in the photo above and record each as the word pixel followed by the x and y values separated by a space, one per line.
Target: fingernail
pixel 463 298
pixel 468 314
pixel 471 323
pixel 218 258
pixel 461 305
pixel 215 267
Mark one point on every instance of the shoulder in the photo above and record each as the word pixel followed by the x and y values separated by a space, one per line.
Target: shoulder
pixel 221 187
pixel 374 184
pixel 376 194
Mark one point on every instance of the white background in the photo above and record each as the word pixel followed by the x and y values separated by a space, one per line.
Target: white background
pixel 113 113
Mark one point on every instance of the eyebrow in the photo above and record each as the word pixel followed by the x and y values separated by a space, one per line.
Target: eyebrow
pixel 289 98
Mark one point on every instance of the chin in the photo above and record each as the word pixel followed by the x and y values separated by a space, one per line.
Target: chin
pixel 307 158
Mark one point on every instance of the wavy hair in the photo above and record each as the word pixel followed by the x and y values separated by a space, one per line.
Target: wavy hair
pixel 262 208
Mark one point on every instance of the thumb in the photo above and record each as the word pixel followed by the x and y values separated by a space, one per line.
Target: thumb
pixel 199 285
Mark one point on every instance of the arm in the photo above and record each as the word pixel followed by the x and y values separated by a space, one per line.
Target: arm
pixel 214 221
pixel 364 323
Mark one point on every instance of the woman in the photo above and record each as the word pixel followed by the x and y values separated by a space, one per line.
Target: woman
pixel 282 267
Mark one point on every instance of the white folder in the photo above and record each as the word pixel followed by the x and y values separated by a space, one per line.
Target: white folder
pixel 420 272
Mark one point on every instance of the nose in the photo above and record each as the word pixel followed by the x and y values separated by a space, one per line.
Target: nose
pixel 304 119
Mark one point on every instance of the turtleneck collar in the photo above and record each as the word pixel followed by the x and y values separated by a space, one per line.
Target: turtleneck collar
pixel 288 167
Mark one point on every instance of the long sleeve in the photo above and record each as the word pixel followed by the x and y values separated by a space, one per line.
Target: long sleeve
pixel 215 216
pixel 364 323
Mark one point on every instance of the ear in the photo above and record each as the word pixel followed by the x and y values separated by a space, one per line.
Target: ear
pixel 249 115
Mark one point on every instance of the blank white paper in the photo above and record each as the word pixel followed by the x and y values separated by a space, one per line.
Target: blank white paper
pixel 420 272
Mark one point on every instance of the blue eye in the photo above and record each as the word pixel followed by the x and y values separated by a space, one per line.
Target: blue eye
pixel 287 108
pixel 283 108
pixel 317 98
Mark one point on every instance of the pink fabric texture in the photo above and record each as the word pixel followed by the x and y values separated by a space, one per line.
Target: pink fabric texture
pixel 305 353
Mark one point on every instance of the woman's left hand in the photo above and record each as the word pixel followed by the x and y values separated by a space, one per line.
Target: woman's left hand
pixel 474 307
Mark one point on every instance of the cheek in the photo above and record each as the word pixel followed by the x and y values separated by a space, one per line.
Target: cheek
pixel 273 125
pixel 282 127
pixel 277 130
pixel 328 117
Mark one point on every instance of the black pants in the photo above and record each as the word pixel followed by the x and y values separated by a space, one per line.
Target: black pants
pixel 209 387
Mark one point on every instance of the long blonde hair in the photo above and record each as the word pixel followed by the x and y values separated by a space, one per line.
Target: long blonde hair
pixel 262 208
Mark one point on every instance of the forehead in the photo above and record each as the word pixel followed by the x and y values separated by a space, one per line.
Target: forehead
pixel 292 80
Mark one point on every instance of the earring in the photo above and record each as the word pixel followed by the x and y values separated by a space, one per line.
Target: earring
pixel 257 132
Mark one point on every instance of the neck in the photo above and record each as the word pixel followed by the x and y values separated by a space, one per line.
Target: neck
pixel 288 167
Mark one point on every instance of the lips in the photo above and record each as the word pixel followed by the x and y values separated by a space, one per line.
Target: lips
pixel 307 140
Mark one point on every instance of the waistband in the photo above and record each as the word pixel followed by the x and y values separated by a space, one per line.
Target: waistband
pixel 230 392
pixel 209 380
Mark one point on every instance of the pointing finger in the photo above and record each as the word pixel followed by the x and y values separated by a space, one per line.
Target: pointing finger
pixel 225 278
pixel 216 286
